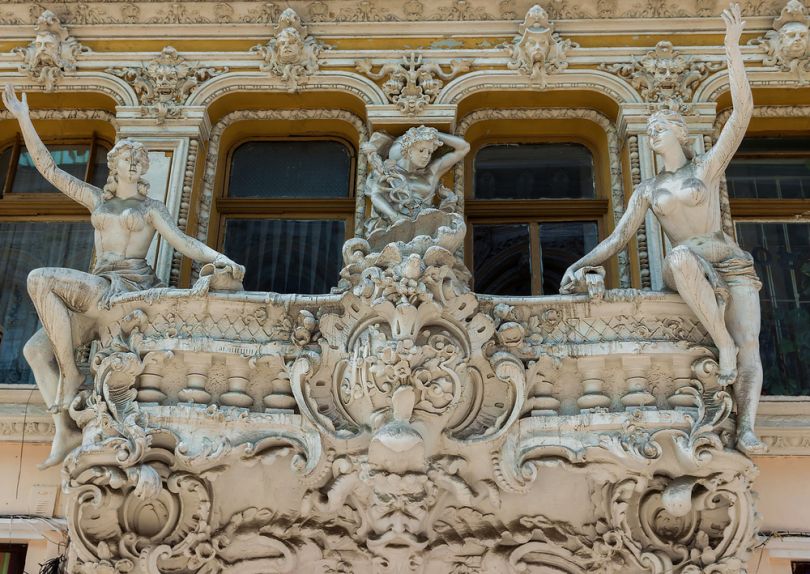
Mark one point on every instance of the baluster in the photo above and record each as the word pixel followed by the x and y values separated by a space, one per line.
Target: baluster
pixel 197 366
pixel 592 397
pixel 238 377
pixel 636 368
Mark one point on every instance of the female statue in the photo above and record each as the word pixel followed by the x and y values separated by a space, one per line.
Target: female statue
pixel 67 301
pixel 713 275
pixel 406 183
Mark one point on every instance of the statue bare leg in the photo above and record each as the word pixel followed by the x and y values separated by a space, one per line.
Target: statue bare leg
pixel 743 321
pixel 60 297
pixel 685 273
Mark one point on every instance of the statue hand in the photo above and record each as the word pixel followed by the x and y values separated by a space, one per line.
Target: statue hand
pixel 732 16
pixel 222 262
pixel 568 281
pixel 18 108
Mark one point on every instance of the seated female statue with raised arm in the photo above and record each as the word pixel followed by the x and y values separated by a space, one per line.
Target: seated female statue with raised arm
pixel 68 301
pixel 713 275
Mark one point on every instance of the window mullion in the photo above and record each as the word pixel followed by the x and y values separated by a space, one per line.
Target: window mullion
pixel 535 252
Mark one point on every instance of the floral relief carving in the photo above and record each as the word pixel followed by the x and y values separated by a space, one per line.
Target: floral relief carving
pixel 291 54
pixel 537 51
pixel 164 83
pixel 787 46
pixel 414 83
pixel 365 11
pixel 663 76
pixel 462 10
pixel 655 9
pixel 266 13
pixel 52 54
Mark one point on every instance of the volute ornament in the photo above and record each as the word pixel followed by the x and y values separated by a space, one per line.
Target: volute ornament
pixel 292 53
pixel 537 51
pixel 663 76
pixel 414 83
pixel 52 53
pixel 165 83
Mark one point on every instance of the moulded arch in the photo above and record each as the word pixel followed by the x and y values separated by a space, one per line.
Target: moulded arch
pixel 359 88
pixel 112 90
pixel 607 86
pixel 769 87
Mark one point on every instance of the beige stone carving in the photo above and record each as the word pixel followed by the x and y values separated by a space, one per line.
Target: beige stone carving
pixel 291 54
pixel 664 76
pixel 165 83
pixel 51 54
pixel 787 46
pixel 69 301
pixel 414 83
pixel 706 266
pixel 537 50
pixel 404 179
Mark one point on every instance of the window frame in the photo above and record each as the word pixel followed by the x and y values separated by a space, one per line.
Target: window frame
pixel 533 212
pixel 47 206
pixel 286 208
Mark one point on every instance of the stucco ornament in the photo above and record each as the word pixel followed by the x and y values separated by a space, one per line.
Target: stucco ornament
pixel 665 77
pixel 292 53
pixel 705 266
pixel 405 179
pixel 68 301
pixel 537 50
pixel 787 46
pixel 414 83
pixel 165 83
pixel 51 54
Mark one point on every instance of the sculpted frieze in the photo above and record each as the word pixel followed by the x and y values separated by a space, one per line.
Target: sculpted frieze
pixel 51 54
pixel 164 83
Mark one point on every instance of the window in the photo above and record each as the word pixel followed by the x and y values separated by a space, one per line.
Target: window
pixel 769 191
pixel 534 211
pixel 12 558
pixel 286 212
pixel 800 567
pixel 39 227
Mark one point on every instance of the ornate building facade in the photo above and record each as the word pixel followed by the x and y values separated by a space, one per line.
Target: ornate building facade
pixel 396 383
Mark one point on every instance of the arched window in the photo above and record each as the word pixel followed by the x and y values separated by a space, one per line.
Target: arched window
pixel 769 191
pixel 39 227
pixel 533 211
pixel 286 211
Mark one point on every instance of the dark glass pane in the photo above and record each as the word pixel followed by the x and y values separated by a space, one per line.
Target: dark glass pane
pixel 25 246
pixel 770 177
pixel 534 171
pixel 502 259
pixel 12 558
pixel 5 158
pixel 782 258
pixel 303 169
pixel 800 568
pixel 561 244
pixel 100 169
pixel 72 158
pixel 285 255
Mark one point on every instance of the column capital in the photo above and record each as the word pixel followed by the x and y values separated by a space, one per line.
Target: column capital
pixel 194 124
pixel 632 118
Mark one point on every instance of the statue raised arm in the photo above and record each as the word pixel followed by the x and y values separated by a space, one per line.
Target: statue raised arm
pixel 713 275
pixel 68 301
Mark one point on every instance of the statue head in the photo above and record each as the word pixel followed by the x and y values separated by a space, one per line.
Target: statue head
pixel 48 40
pixel 290 45
pixel 668 128
pixel 418 144
pixel 167 71
pixel 128 160
pixel 793 40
